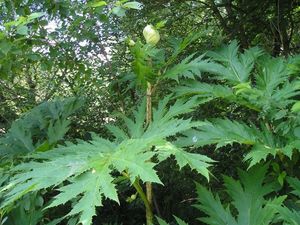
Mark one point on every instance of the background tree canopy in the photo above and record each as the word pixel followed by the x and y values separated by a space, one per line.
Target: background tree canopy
pixel 91 113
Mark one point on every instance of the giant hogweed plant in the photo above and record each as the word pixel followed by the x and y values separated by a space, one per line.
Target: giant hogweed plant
pixel 152 65
pixel 85 172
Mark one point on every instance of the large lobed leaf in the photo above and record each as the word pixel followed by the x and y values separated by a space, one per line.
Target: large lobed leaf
pixel 222 132
pixel 82 173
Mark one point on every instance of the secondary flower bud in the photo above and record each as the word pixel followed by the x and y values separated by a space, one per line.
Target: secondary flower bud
pixel 131 43
pixel 151 35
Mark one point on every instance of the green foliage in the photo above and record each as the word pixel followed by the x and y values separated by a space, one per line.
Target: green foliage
pixel 40 129
pixel 234 67
pixel 178 220
pixel 28 210
pixel 206 92
pixel 226 132
pixel 152 64
pixel 20 25
pixel 254 81
pixel 222 133
pixel 248 198
pixel 290 215
pixel 55 48
pixel 88 166
pixel 121 7
pixel 147 62
pixel 270 91
pixel 186 68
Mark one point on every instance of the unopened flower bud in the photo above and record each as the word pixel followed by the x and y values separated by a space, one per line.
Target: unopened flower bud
pixel 151 35
pixel 131 42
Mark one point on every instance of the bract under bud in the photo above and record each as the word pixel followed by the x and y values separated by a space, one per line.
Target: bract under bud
pixel 151 35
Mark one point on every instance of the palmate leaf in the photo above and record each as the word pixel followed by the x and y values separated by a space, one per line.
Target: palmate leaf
pixel 259 152
pixel 248 197
pixel 222 132
pixel 82 173
pixel 225 64
pixel 274 84
pixel 87 167
pixel 269 144
pixel 164 120
pixel 273 88
pixel 272 72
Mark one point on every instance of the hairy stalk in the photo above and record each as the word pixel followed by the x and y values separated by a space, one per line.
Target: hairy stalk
pixel 149 213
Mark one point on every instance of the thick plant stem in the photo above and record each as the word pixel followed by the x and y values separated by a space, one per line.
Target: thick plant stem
pixel 149 213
